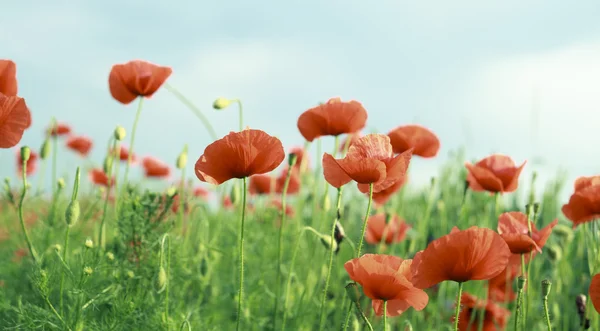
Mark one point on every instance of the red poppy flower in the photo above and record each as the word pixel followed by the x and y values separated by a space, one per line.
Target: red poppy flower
pixel 60 129
pixel 14 119
pixel 584 204
pixel 293 185
pixel 80 144
pixel 495 173
pixel 333 118
pixel 176 203
pixel 155 168
pixel 369 160
pixel 201 192
pixel 494 314
pixel 260 184
pixel 350 139
pixel 500 288
pixel 472 254
pixel 124 154
pixel 382 197
pixel 276 203
pixel 394 231
pixel 239 155
pixel 31 163
pixel 595 291
pixel 301 156
pixel 8 78
pixel 227 203
pixel 513 227
pixel 386 277
pixel 423 142
pixel 99 177
pixel 136 79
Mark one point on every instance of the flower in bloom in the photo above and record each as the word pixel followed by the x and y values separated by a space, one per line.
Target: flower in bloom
pixel 584 203
pixel 124 154
pixel 301 156
pixel 239 155
pixel 8 78
pixel 496 174
pixel 500 288
pixel 31 163
pixel 60 129
pixel 495 316
pixel 14 119
pixel 387 278
pixel 384 196
pixel 293 184
pixel 154 168
pixel 80 144
pixel 350 139
pixel 423 142
pixel 393 231
pixel 99 177
pixel 595 291
pixel 471 254
pixel 136 79
pixel 333 118
pixel 514 229
pixel 276 204
pixel 369 160
pixel 260 184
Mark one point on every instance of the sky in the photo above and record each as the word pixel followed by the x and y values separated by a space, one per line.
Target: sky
pixel 512 77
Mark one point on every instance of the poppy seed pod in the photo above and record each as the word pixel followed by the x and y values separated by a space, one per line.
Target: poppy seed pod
pixel 546 286
pixel 222 103
pixel 45 149
pixel 72 213
pixel 119 133
pixel 25 153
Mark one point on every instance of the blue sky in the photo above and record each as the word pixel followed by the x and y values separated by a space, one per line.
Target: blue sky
pixel 471 71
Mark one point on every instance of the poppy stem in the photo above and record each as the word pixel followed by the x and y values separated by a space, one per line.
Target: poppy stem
pixel 289 278
pixel 545 292
pixel 167 238
pixel 194 110
pixel 132 140
pixel 241 113
pixel 62 273
pixel 55 191
pixel 364 228
pixel 384 315
pixel 279 246
pixel 102 234
pixel 21 218
pixel 338 205
pixel 457 312
pixel 241 243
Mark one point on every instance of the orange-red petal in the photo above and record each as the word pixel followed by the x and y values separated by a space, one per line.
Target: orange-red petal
pixel 15 118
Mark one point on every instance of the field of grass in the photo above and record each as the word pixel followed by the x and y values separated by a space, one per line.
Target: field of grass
pixel 127 258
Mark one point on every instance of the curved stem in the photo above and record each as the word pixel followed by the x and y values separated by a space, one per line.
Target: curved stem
pixel 21 218
pixel 457 312
pixel 279 247
pixel 132 140
pixel 331 250
pixel 241 243
pixel 364 228
pixel 384 315
pixel 194 109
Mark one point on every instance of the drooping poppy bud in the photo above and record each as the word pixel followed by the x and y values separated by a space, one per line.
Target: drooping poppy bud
pixel 222 103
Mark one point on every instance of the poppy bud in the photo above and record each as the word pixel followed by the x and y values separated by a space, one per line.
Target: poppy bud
pixel 60 183
pixel 89 243
pixel 107 165
pixel 25 153
pixel 554 252
pixel 72 213
pixel 546 285
pixel 88 271
pixel 57 248
pixel 339 233
pixel 171 192
pixel 292 158
pixel 326 203
pixel 221 103
pixel 119 133
pixel 352 291
pixel 182 160
pixel 521 283
pixel 328 242
pixel 536 208
pixel 407 326
pixel 564 232
pixel 45 149
pixel 161 280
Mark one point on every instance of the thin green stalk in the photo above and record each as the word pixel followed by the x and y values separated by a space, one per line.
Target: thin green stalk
pixel 348 314
pixel 279 246
pixel 194 109
pixel 241 286
pixel 457 311
pixel 168 274
pixel 132 140
pixel 54 157
pixel 384 315
pixel 21 218
pixel 182 197
pixel 62 273
pixel 338 205
pixel 55 312
pixel 546 313
pixel 364 228
pixel 241 113
pixel 102 234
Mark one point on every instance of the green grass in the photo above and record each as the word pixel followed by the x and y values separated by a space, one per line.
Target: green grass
pixel 123 291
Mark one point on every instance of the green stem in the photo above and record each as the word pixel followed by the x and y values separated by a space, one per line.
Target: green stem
pixel 364 228
pixel 348 314
pixel 331 250
pixel 241 112
pixel 546 313
pixel 132 140
pixel 62 273
pixel 182 197
pixel 167 284
pixel 194 109
pixel 384 315
pixel 241 286
pixel 54 152
pixel 102 234
pixel 457 311
pixel 279 246
pixel 55 312
pixel 21 218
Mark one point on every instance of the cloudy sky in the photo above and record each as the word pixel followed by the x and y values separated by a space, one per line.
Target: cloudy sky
pixel 520 78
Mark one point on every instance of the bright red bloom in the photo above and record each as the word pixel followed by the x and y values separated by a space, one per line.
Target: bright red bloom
pixel 423 142
pixel 386 277
pixel 227 203
pixel 394 231
pixel 136 79
pixel 155 168
pixel 261 184
pixel 384 196
pixel 495 173
pixel 124 154
pixel 60 129
pixel 8 78
pixel 14 119
pixel 301 156
pixel 31 163
pixel 293 185
pixel 99 177
pixel 350 139
pixel 494 314
pixel 500 288
pixel 584 204
pixel 201 192
pixel 333 118
pixel 472 254
pixel 369 160
pixel 239 155
pixel 80 144
pixel 513 227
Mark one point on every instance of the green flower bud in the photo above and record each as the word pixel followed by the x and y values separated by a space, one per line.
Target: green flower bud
pixel 88 271
pixel 25 153
pixel 328 242
pixel 119 133
pixel 130 274
pixel 161 280
pixel 60 183
pixel 221 103
pixel 171 192
pixel 521 282
pixel 89 243
pixel 182 160
pixel 407 326
pixel 45 149
pixel 110 256
pixel 353 293
pixel 107 165
pixel 57 248
pixel 72 213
